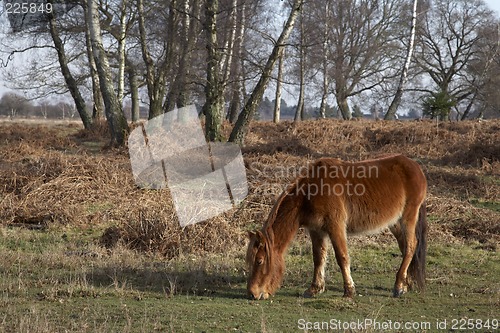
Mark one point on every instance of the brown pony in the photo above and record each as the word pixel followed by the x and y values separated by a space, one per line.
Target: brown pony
pixel 337 198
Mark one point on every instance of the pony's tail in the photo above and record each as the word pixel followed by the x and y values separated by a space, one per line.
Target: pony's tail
pixel 417 265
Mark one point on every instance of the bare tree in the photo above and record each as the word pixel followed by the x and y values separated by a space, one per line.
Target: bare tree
pixel 279 79
pixel 324 64
pixel 362 39
pixel 299 111
pixel 68 77
pixel 156 69
pixel 448 40
pixel 237 70
pixel 241 127
pixel 179 93
pixel 114 112
pixel 213 91
pixel 484 74
pixel 98 104
pixel 391 112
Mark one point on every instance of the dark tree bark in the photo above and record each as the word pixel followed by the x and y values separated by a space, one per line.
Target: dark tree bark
pixel 68 77
pixel 212 108
pixel 155 73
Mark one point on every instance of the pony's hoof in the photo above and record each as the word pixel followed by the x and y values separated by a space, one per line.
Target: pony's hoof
pixel 348 295
pixel 313 292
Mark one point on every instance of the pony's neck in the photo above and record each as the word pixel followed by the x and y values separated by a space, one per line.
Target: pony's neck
pixel 285 224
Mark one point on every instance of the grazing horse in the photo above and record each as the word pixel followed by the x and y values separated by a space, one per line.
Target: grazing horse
pixel 336 198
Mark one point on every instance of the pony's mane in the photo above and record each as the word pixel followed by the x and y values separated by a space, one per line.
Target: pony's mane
pixel 274 211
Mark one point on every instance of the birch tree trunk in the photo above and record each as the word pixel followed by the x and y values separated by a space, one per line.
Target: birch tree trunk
pixel 98 107
pixel 241 127
pixel 299 112
pixel 391 112
pixel 68 77
pixel 279 82
pixel 324 94
pixel 238 94
pixel 121 51
pixel 227 58
pixel 114 112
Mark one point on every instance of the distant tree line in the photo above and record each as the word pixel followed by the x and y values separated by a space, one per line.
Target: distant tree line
pixel 16 106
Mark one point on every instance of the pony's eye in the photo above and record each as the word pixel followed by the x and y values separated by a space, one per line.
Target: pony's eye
pixel 260 261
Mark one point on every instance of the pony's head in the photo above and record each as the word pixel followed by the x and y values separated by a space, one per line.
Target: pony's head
pixel 266 267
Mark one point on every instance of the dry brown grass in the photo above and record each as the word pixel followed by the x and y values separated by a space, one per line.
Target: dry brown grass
pixel 58 175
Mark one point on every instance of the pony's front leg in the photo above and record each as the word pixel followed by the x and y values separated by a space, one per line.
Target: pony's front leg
pixel 339 241
pixel 320 251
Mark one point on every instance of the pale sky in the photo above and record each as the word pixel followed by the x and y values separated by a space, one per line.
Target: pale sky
pixel 494 4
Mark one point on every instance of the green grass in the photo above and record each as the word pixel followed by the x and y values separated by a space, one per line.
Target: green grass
pixel 491 205
pixel 56 281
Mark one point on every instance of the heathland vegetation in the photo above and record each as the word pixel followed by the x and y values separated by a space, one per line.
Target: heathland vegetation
pixel 85 250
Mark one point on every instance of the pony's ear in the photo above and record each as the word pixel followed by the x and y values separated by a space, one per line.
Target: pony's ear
pixel 270 233
pixel 251 234
pixel 261 239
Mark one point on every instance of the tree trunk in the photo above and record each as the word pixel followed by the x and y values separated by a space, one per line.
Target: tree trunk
pixel 121 51
pixel 98 107
pixel 279 81
pixel 134 94
pixel 68 77
pixel 227 58
pixel 324 94
pixel 212 108
pixel 114 112
pixel 241 127
pixel 155 75
pixel 391 112
pixel 469 106
pixel 238 94
pixel 344 107
pixel 299 112
pixel 178 94
pixel 191 31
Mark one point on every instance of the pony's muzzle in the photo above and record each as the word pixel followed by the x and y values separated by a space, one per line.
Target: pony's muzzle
pixel 257 296
pixel 253 297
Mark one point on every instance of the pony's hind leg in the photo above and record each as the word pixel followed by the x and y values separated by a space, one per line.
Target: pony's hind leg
pixel 320 251
pixel 398 234
pixel 407 242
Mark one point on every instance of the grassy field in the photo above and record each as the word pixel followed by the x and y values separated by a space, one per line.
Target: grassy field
pixel 84 250
pixel 53 281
